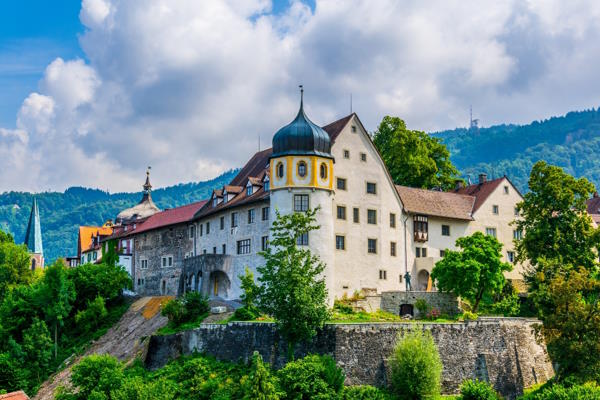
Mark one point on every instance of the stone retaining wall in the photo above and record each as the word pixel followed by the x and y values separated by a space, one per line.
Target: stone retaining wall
pixel 501 351
pixel 447 303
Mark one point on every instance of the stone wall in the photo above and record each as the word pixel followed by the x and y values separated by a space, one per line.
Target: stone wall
pixel 502 351
pixel 447 303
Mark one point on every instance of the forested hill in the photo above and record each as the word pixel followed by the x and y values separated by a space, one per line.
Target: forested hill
pixel 62 213
pixel 571 141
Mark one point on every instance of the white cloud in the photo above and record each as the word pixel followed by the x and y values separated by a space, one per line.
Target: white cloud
pixel 189 86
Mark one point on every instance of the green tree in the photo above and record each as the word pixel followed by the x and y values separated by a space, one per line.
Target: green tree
pixel 37 346
pixel 554 221
pixel 260 384
pixel 95 377
pixel 15 264
pixel 57 294
pixel 473 272
pixel 414 158
pixel 93 316
pixel 249 298
pixel 292 287
pixel 416 368
pixel 92 280
pixel 312 377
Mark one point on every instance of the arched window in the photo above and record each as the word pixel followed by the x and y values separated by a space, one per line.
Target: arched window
pixel 302 169
pixel 280 170
pixel 323 171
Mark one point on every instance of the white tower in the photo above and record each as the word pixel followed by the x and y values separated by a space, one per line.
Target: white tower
pixel 301 177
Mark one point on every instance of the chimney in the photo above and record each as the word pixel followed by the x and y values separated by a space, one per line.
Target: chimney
pixel 482 178
pixel 459 184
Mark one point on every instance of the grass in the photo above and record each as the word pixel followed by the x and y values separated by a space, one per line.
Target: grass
pixel 172 328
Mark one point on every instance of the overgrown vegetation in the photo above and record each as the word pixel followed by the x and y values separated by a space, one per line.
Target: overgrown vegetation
pixel 46 318
pixel 185 312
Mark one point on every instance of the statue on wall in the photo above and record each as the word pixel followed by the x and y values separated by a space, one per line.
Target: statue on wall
pixel 407 281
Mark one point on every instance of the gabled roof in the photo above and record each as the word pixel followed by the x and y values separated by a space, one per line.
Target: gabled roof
pixel 168 217
pixel 434 203
pixel 336 127
pixel 33 234
pixel 257 164
pixel 481 191
pixel 593 204
pixel 84 241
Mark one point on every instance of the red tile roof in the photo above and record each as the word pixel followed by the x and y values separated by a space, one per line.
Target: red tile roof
pixel 169 217
pixel 481 191
pixel 593 205
pixel 435 203
pixel 257 164
pixel 20 395
pixel 334 128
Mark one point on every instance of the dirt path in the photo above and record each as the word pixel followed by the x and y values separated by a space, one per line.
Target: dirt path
pixel 126 340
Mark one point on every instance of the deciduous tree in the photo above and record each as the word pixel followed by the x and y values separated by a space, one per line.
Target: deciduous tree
pixel 473 272
pixel 413 157
pixel 292 287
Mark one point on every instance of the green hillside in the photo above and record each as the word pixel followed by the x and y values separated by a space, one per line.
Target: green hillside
pixel 571 142
pixel 62 213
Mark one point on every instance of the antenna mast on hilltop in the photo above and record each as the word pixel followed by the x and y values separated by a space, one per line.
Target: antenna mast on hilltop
pixel 474 123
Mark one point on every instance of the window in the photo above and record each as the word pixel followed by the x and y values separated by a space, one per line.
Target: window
pixel 393 249
pixel 302 240
pixel 201 229
pixel 265 213
pixel 340 242
pixel 323 171
pixel 510 256
pixel 266 186
pixel 442 253
pixel 371 188
pixel 517 234
pixel 382 274
pixel 300 202
pixel 341 212
pixel 214 202
pixel 490 232
pixel 234 219
pixel 215 250
pixel 222 222
pixel 372 217
pixel 224 248
pixel 264 243
pixel 243 246
pixel 204 251
pixel 144 264
pixel 445 230
pixel 167 261
pixel 372 246
pixel 302 169
pixel 363 157
pixel 280 170
pixel 249 190
pixel 418 252
pixel 251 213
pixel 392 220
pixel 516 211
pixel 95 255
pixel 505 189
pixel 207 228
pixel 495 209
pixel 421 252
pixel 225 197
pixel 356 215
pixel 341 183
pixel 421 227
pixel 353 128
pixel 192 231
pixel 346 153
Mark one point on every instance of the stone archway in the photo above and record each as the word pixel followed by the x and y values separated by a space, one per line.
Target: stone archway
pixel 422 280
pixel 219 284
pixel 198 282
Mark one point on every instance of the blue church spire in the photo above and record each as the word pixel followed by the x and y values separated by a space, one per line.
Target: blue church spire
pixel 33 235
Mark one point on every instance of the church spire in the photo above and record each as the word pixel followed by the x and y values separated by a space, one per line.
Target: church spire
pixel 33 235
pixel 147 186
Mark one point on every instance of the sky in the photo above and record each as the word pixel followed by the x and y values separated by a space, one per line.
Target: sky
pixel 94 91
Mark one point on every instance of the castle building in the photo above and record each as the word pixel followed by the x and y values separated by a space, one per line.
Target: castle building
pixel 33 238
pixel 372 234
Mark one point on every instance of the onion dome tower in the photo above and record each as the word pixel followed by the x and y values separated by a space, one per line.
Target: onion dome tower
pixel 143 209
pixel 301 178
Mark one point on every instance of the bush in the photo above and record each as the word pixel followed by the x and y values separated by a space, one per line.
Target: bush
pixel 363 392
pixel 312 377
pixel 469 316
pixel 188 308
pixel 342 307
pixel 245 314
pixel 93 316
pixel 586 391
pixel 94 378
pixel 477 390
pixel 422 307
pixel 174 311
pixel 416 368
pixel 260 384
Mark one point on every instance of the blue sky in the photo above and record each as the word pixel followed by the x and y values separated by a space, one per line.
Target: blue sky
pixel 93 91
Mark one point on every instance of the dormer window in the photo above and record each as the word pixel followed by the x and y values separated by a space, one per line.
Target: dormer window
pixel 225 197
pixel 266 183
pixel 215 202
pixel 249 189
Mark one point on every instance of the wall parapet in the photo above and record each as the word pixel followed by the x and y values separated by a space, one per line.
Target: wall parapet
pixel 502 351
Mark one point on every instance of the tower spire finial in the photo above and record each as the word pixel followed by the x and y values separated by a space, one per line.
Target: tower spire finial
pixel 147 185
pixel 301 96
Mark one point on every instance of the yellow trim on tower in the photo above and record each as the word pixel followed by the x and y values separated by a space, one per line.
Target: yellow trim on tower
pixel 289 161
pixel 315 171
pixel 330 176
